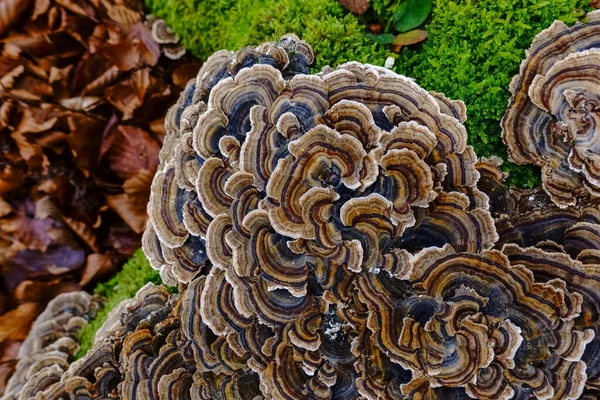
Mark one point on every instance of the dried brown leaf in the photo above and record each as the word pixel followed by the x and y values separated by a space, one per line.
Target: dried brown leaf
pixel 133 150
pixel 40 291
pixel 122 14
pixel 40 7
pixel 101 82
pixel 24 227
pixel 10 10
pixel 81 103
pixel 124 55
pixel 97 267
pixel 355 6
pixel 15 324
pixel 149 49
pixel 8 80
pixel 84 232
pixel 76 8
pixel 129 211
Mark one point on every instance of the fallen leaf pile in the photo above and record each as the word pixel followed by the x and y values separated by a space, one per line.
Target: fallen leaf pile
pixel 84 88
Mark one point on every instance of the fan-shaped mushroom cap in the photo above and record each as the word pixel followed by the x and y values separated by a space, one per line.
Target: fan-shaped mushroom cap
pixel 297 185
pixel 165 37
pixel 330 240
pixel 551 120
pixel 51 344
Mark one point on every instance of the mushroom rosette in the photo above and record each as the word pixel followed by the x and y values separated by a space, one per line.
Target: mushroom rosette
pixel 477 325
pixel 559 246
pixel 51 344
pixel 270 173
pixel 552 117
pixel 277 190
pixel 332 239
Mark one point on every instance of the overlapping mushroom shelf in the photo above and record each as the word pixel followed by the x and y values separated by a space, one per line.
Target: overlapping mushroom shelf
pixel 51 344
pixel 552 117
pixel 333 236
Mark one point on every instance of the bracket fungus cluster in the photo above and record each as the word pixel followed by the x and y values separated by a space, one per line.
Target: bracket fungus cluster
pixel 552 117
pixel 333 237
pixel 51 344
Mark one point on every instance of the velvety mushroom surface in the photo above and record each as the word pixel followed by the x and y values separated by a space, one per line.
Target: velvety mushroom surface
pixel 333 237
pixel 552 117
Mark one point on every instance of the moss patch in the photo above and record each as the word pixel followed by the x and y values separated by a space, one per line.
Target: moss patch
pixel 124 285
pixel 473 50
pixel 206 26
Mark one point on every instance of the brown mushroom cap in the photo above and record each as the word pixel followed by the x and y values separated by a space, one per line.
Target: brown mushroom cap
pixel 551 120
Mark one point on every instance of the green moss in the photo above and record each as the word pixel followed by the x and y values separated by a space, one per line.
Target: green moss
pixel 206 26
pixel 124 285
pixel 473 50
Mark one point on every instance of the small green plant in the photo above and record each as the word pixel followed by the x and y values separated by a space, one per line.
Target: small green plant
pixel 408 15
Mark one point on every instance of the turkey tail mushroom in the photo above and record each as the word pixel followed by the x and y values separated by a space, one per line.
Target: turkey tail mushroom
pixel 298 185
pixel 551 119
pixel 334 236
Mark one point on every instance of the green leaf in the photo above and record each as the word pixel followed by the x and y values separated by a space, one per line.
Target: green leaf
pixel 411 37
pixel 384 38
pixel 400 12
pixel 416 13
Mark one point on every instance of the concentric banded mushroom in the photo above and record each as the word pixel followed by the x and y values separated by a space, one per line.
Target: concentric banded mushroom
pixel 165 37
pixel 552 117
pixel 278 189
pixel 331 238
pixel 265 164
pixel 479 324
pixel 51 344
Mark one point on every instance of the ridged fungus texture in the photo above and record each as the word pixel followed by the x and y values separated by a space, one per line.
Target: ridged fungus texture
pixel 333 237
pixel 552 117
pixel 51 344
pixel 164 36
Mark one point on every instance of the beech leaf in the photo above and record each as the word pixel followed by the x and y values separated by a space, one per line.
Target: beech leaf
pixel 408 38
pixel 416 12
pixel 10 10
pixel 14 325
pixel 97 266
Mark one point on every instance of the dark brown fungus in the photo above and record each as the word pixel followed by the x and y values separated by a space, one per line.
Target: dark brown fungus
pixel 334 237
pixel 551 120
pixel 289 187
